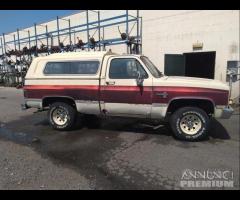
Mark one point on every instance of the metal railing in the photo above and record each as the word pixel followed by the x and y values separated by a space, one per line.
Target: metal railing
pixel 14 62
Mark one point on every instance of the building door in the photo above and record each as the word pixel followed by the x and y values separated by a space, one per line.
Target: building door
pixel 193 64
pixel 200 64
pixel 174 65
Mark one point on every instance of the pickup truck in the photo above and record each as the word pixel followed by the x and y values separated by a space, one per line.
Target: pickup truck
pixel 107 84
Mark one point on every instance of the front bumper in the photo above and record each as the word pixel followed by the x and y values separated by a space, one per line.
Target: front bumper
pixel 224 112
pixel 227 112
pixel 24 106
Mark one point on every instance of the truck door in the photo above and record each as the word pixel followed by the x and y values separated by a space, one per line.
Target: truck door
pixel 122 95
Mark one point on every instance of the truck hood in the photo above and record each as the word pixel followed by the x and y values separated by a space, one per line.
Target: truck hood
pixel 190 82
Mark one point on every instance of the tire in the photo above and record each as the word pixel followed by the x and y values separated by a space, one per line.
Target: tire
pixel 66 118
pixel 190 124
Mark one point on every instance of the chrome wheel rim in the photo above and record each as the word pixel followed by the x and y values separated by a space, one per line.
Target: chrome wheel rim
pixel 60 116
pixel 190 124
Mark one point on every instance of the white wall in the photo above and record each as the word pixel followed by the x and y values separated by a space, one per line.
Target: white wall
pixel 170 31
pixel 167 31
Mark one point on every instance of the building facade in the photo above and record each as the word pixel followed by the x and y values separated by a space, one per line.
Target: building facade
pixel 202 43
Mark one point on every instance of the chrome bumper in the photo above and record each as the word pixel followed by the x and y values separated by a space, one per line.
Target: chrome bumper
pixel 24 106
pixel 227 112
pixel 31 103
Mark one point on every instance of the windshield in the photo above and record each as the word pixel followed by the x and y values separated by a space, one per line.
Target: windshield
pixel 152 68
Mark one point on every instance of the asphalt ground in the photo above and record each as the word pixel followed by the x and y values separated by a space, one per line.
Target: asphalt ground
pixel 121 154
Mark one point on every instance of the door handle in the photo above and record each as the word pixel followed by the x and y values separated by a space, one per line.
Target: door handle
pixel 110 82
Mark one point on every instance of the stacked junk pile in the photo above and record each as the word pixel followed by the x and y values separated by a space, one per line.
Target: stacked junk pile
pixel 15 62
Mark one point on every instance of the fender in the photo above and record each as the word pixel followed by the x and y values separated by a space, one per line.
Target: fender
pixel 63 97
pixel 192 98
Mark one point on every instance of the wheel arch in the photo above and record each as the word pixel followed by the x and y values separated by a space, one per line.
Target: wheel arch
pixel 48 100
pixel 207 104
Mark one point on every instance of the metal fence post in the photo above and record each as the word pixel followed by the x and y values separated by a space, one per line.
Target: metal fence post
pixel 15 47
pixel 35 28
pixel 58 31
pixel 138 49
pixel 46 28
pixel 4 43
pixel 141 35
pixel 18 39
pixel 29 40
pixel 1 45
pixel 70 35
pixel 127 28
pixel 99 31
pixel 87 29
pixel 74 37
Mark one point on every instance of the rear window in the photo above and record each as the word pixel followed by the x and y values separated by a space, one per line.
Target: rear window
pixel 76 67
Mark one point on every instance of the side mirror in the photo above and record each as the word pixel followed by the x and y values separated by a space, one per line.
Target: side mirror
pixel 139 79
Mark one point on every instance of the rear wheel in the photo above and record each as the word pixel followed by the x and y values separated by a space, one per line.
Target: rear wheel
pixel 189 123
pixel 62 116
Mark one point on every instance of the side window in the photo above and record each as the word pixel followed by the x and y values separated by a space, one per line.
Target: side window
pixel 126 68
pixel 57 68
pixel 76 67
pixel 84 67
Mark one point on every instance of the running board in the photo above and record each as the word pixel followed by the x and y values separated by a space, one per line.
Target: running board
pixel 153 127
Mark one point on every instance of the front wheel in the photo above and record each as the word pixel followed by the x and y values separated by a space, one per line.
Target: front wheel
pixel 190 123
pixel 62 116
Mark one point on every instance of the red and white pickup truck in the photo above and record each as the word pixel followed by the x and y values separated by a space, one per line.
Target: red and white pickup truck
pixel 108 84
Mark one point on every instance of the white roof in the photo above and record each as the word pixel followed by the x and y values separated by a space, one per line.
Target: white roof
pixel 78 55
pixel 75 55
pixel 88 54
